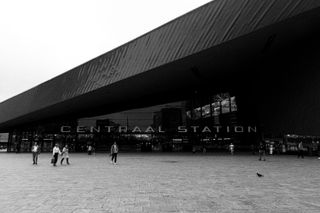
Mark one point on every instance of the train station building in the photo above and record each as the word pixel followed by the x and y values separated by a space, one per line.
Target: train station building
pixel 235 71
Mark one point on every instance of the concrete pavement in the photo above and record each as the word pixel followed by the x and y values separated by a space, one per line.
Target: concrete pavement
pixel 160 183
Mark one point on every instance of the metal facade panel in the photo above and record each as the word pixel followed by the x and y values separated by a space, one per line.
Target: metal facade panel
pixel 214 23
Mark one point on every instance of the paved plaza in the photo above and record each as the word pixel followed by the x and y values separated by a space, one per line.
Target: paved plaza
pixel 158 182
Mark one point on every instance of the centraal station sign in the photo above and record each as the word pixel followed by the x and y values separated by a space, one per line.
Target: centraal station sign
pixel 150 129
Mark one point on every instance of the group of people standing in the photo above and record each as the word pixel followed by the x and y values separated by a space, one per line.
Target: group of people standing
pixel 35 149
pixel 115 149
pixel 262 150
pixel 55 153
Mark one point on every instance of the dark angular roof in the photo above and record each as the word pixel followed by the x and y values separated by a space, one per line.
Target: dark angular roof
pixel 210 25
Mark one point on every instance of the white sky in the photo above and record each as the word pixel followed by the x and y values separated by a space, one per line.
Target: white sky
pixel 40 39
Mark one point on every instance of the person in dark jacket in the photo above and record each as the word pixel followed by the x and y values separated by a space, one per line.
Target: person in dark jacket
pixel 300 150
pixel 262 151
pixel 114 152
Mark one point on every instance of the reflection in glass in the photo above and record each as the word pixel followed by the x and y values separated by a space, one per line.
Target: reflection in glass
pixel 197 113
pixel 225 105
pixel 188 114
pixel 233 104
pixel 206 111
pixel 216 108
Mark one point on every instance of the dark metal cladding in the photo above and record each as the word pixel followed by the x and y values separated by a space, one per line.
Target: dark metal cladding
pixel 214 23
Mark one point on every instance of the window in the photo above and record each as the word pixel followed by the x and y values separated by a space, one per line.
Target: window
pixel 206 111
pixel 233 104
pixel 197 113
pixel 225 104
pixel 215 108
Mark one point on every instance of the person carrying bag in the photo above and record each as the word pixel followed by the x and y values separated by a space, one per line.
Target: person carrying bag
pixel 55 153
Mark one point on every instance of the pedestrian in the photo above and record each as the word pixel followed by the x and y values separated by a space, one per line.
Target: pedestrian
pixel 65 154
pixel 55 152
pixel 318 150
pixel 252 149
pixel 271 149
pixel 18 147
pixel 231 148
pixel 194 150
pixel 114 152
pixel 89 150
pixel 262 151
pixel 300 150
pixel 35 152
pixel 204 150
pixel 284 148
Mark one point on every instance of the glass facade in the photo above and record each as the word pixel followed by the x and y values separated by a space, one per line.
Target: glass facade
pixel 207 122
pixel 4 137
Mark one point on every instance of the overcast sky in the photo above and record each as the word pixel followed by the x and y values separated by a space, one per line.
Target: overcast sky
pixel 40 39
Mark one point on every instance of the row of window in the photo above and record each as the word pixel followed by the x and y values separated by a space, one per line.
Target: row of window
pixel 226 105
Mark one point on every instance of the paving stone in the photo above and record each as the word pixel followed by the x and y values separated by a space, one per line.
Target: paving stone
pixel 175 182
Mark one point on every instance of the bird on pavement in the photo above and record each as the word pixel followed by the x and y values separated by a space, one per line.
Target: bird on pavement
pixel 259 175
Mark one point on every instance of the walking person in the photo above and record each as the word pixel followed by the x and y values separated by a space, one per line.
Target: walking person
pixel 318 150
pixel 35 152
pixel 300 150
pixel 283 148
pixel 252 149
pixel 65 154
pixel 114 152
pixel 262 151
pixel 204 150
pixel 89 150
pixel 231 148
pixel 55 152
pixel 271 149
pixel 194 150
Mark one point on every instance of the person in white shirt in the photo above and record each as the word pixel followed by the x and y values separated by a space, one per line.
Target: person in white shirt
pixel 55 152
pixel 231 148
pixel 89 150
pixel 35 152
pixel 271 149
pixel 65 154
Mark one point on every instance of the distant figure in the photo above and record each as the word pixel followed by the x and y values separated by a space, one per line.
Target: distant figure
pixel 89 150
pixel 193 149
pixel 114 152
pixel 300 150
pixel 318 150
pixel 18 147
pixel 65 154
pixel 204 150
pixel 262 151
pixel 35 152
pixel 271 149
pixel 283 148
pixel 252 149
pixel 231 148
pixel 55 152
